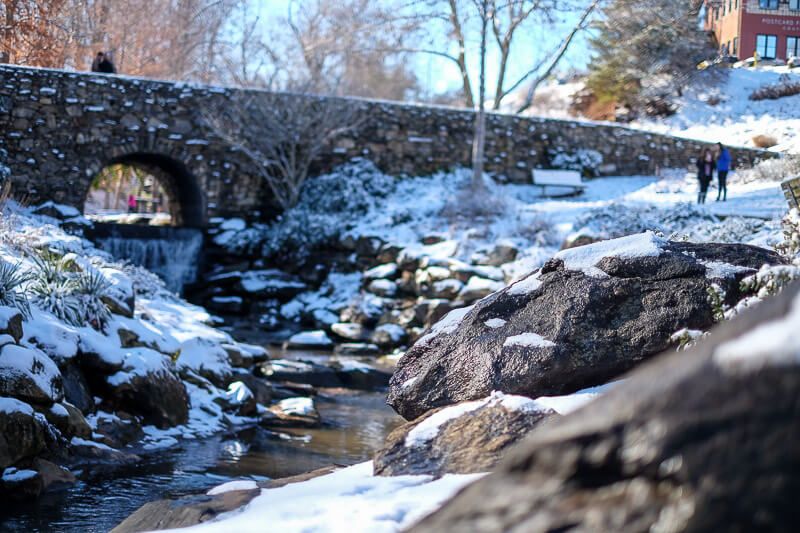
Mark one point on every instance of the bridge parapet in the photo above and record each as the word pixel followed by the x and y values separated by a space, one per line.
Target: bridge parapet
pixel 61 128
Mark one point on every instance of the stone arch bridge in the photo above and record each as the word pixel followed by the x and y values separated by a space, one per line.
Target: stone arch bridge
pixel 61 128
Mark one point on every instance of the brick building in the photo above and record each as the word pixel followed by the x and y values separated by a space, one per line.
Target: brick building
pixel 743 27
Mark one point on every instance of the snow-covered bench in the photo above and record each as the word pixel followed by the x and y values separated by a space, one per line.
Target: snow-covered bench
pixel 564 179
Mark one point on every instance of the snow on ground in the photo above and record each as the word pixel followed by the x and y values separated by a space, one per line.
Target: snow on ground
pixel 715 112
pixel 736 118
pixel 773 343
pixel 348 501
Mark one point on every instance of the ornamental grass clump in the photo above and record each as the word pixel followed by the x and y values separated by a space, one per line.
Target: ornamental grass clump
pixel 12 278
pixel 75 296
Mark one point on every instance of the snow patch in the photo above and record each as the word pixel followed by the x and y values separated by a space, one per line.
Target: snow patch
pixel 529 340
pixel 584 258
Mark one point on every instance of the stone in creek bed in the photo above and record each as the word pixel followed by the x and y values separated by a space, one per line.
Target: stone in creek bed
pixel 361 349
pixel 350 331
pixel 301 372
pixel 309 340
pixel 292 413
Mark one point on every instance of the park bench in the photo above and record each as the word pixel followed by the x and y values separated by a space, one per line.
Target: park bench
pixel 560 179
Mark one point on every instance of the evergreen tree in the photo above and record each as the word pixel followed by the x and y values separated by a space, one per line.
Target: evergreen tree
pixel 646 50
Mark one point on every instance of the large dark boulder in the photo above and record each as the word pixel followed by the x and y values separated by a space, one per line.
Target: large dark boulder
pixel 590 314
pixel 466 438
pixel 701 440
pixel 22 433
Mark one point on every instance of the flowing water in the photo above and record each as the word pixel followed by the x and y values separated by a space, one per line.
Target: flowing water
pixel 172 253
pixel 354 426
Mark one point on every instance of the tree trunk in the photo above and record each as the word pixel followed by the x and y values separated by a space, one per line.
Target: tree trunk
pixel 8 33
pixel 480 120
pixel 461 59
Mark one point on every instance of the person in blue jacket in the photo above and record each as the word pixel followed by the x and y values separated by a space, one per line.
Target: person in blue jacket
pixel 723 167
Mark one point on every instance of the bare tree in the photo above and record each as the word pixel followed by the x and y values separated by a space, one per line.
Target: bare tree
pixel 30 33
pixel 284 134
pixel 354 47
pixel 544 71
pixel 507 19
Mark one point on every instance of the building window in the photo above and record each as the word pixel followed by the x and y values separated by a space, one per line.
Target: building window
pixel 766 46
pixel 792 47
pixel 730 6
pixel 736 4
pixel 794 5
pixel 768 4
pixel 736 46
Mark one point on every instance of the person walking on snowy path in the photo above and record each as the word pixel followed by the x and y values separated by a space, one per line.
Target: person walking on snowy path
pixel 723 167
pixel 705 171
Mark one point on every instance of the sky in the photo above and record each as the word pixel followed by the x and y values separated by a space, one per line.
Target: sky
pixel 438 75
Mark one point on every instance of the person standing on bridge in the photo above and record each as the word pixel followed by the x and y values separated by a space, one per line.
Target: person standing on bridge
pixel 131 203
pixel 103 63
pixel 723 167
pixel 97 60
pixel 705 172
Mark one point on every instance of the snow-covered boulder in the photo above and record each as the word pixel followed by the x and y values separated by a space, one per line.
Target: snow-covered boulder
pixel 389 336
pixel 316 339
pixel 447 289
pixel 148 386
pixel 477 288
pixel 358 349
pixel 52 336
pixel 385 271
pixel 239 399
pixel 350 331
pixel 698 440
pixel 354 374
pixel 120 296
pixel 292 412
pixel 22 433
pixel 383 287
pixel 271 283
pixel 503 252
pixel 588 315
pixel 306 372
pixel 69 420
pixel 56 211
pixel 207 358
pixel 365 310
pixel 29 375
pixel 465 438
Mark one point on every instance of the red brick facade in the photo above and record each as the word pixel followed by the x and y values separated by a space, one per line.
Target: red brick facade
pixel 742 27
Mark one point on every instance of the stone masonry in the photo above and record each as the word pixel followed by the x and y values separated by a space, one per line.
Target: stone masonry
pixel 61 128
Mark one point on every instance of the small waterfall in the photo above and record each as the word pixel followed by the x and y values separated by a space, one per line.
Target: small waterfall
pixel 172 253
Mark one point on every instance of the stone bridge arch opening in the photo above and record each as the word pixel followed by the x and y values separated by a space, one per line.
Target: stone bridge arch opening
pixel 164 192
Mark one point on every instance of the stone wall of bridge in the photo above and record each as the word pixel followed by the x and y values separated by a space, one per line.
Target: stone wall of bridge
pixel 60 129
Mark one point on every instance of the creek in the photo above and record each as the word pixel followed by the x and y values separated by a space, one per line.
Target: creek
pixel 354 427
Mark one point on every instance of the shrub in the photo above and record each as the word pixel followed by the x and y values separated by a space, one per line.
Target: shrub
pixel 764 141
pixel 11 279
pixel 784 87
pixel 328 206
pixel 772 170
pixel 587 162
